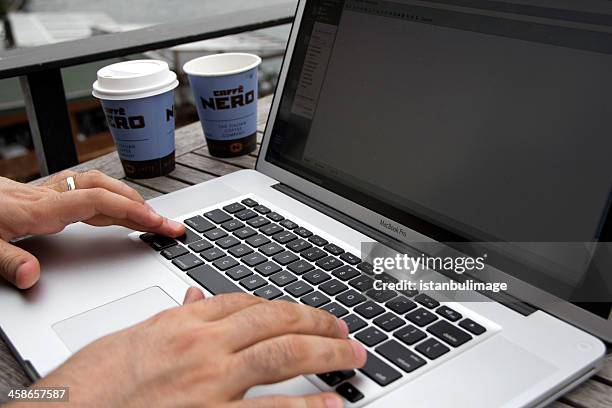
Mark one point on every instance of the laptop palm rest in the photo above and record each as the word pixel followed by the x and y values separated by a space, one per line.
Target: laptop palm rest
pixel 78 331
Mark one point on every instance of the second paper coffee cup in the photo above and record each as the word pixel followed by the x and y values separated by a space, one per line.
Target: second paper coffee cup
pixel 138 101
pixel 225 91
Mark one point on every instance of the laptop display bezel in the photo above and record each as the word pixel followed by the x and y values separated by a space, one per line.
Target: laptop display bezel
pixel 537 297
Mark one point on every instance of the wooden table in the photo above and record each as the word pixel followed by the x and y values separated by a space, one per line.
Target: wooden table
pixel 196 165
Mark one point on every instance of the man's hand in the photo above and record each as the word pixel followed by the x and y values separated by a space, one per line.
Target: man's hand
pixel 36 210
pixel 208 353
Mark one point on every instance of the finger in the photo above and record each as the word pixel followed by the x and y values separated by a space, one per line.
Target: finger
pixel 18 266
pixel 58 178
pixel 272 319
pixel 96 179
pixel 167 228
pixel 221 306
pixel 82 205
pixel 193 295
pixel 285 357
pixel 325 400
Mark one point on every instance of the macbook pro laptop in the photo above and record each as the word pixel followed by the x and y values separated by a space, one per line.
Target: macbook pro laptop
pixel 414 127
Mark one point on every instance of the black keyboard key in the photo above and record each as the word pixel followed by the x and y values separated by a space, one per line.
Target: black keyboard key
pixel 200 246
pixel 335 309
pixel 212 254
pixel 472 327
pixel 299 245
pixel 253 282
pixel 262 209
pixel 158 242
pixel 366 268
pixel 449 333
pixel 302 232
pixel 316 277
pixel 283 278
pixel 421 317
pixel 354 322
pixel 215 234
pixel 285 258
pixel 401 305
pixel 313 254
pixel 333 249
pixel 369 309
pixel 227 242
pixel 288 224
pixel 244 233
pixel 427 301
pixel 400 356
pixel 240 250
pixel 212 280
pixel 317 240
pixel 350 258
pixel 432 349
pixel 349 392
pixel 409 335
pixel 300 266
pixel 328 263
pixel 187 262
pixel 232 225
pixel 174 252
pixel 315 299
pixel 253 259
pixel 245 215
pixel 449 313
pixel 381 296
pixel 268 268
pixel 276 217
pixel 333 287
pixel 271 229
pixel 199 224
pixel 239 272
pixel 225 263
pixel 389 322
pixel 350 298
pixel 218 216
pixel 257 240
pixel 345 273
pixel 298 289
pixel 258 222
pixel 189 237
pixel 336 377
pixel 234 208
pixel 284 237
pixel 271 249
pixel 379 371
pixel 249 202
pixel 386 278
pixel 268 292
pixel 409 292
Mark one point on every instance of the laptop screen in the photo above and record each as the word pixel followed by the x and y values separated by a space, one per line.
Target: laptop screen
pixel 491 122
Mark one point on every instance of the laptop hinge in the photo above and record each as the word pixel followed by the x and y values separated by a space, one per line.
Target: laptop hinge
pixel 504 299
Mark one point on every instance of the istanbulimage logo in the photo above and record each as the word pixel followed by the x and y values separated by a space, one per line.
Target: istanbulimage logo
pixel 228 99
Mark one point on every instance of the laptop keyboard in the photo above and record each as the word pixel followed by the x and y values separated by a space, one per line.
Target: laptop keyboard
pixel 246 247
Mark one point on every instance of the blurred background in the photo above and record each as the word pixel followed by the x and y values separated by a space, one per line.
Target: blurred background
pixel 36 23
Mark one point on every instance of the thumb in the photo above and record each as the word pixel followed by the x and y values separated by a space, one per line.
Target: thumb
pixel 18 266
pixel 193 295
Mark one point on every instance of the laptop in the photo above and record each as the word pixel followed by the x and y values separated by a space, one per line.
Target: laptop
pixel 408 128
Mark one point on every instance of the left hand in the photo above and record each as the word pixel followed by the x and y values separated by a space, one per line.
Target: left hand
pixel 99 200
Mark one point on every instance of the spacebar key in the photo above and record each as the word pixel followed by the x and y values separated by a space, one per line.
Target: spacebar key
pixel 212 280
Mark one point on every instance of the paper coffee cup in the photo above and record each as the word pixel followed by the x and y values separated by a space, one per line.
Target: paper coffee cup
pixel 224 87
pixel 138 102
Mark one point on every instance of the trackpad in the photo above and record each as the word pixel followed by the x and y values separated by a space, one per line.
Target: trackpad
pixel 78 331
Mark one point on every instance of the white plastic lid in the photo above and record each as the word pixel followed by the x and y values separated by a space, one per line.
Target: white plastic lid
pixel 134 79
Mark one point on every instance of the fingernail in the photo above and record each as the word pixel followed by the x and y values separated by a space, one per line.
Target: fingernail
pixel 23 276
pixel 155 215
pixel 343 328
pixel 333 402
pixel 358 350
pixel 174 225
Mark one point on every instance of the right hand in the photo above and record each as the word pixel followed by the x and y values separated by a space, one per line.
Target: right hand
pixel 208 354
